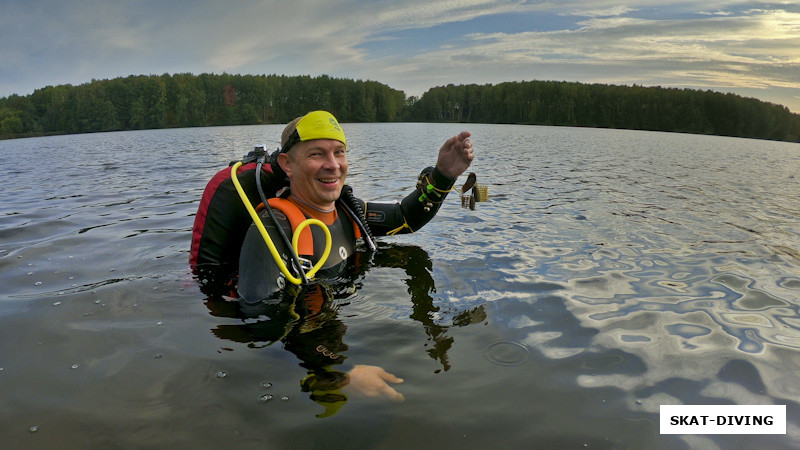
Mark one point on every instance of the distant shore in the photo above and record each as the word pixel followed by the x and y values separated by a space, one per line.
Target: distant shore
pixel 186 100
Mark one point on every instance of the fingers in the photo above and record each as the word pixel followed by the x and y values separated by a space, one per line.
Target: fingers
pixel 466 142
pixel 467 154
pixel 390 378
pixel 448 144
pixel 387 392
pixel 393 395
pixel 462 138
pixel 372 382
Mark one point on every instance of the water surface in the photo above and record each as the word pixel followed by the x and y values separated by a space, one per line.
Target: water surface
pixel 610 272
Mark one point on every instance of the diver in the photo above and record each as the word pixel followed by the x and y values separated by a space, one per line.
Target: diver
pixel 313 157
pixel 300 191
pixel 248 212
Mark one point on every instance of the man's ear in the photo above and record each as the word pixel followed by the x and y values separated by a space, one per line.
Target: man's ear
pixel 283 161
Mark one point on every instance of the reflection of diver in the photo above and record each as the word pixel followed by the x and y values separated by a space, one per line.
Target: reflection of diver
pixel 417 264
pixel 306 321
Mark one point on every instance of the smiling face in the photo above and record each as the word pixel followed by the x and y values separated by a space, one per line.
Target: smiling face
pixel 316 170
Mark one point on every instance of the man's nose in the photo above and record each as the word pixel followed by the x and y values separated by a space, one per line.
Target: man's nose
pixel 331 162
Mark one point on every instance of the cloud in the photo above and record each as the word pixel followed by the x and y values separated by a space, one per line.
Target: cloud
pixel 716 43
pixel 427 13
pixel 608 12
pixel 409 44
pixel 751 50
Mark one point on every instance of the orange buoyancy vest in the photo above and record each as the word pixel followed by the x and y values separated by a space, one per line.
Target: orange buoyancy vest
pixel 259 275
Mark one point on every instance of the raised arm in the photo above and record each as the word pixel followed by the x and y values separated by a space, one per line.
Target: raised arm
pixel 419 207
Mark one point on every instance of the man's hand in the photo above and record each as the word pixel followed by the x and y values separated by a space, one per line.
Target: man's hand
pixel 371 381
pixel 456 155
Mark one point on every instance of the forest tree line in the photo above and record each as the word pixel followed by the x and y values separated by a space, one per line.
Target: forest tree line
pixel 186 100
pixel 607 106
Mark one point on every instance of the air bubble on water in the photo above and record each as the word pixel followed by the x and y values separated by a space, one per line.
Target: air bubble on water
pixel 222 374
pixel 266 384
pixel 266 397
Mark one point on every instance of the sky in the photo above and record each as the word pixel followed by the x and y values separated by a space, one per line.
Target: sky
pixel 747 47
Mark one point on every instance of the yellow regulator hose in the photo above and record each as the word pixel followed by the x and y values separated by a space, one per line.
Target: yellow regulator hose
pixel 295 235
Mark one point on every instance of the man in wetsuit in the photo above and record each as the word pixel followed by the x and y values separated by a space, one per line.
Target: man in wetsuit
pixel 313 156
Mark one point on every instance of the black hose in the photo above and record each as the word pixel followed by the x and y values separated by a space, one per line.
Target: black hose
pixel 295 259
pixel 353 207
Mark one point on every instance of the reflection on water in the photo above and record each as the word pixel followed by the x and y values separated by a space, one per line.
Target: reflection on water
pixel 305 320
pixel 610 272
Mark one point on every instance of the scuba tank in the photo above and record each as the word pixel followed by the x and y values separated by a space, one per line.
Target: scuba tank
pixel 222 220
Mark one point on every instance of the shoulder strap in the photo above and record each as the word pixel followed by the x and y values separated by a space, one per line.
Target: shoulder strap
pixel 305 245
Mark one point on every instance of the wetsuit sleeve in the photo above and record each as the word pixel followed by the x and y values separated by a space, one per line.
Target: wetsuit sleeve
pixel 415 210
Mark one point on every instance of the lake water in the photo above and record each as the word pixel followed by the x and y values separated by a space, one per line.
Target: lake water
pixel 610 272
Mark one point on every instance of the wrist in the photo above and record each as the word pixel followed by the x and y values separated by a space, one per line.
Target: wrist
pixel 441 180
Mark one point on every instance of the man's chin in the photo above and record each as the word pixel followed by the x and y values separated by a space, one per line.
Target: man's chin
pixel 331 196
pixel 332 192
